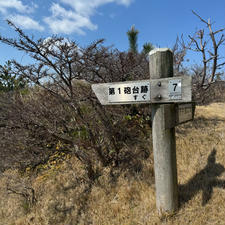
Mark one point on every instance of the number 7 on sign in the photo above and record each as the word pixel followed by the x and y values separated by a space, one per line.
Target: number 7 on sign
pixel 174 89
pixel 175 85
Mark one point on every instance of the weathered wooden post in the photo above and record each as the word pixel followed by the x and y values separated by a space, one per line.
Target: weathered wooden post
pixel 170 99
pixel 164 144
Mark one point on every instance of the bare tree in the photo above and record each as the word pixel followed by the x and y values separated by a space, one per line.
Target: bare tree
pixel 209 49
pixel 61 107
pixel 179 52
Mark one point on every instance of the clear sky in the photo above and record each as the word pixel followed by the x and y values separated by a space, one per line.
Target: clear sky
pixel 158 21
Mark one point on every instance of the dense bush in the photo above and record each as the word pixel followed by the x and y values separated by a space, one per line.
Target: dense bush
pixel 60 112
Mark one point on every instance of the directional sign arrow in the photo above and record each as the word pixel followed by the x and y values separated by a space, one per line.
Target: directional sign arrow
pixel 164 90
pixel 129 92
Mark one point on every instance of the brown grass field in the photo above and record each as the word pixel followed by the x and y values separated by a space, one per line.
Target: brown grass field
pixel 65 197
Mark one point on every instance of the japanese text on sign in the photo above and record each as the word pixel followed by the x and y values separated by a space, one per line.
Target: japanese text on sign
pixel 129 92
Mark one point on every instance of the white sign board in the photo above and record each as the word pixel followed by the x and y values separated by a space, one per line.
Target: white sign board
pixel 163 90
pixel 174 89
pixel 129 92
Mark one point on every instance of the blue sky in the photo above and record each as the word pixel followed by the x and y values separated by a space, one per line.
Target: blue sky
pixel 158 21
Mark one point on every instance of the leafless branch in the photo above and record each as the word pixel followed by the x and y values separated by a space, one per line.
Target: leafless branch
pixel 200 45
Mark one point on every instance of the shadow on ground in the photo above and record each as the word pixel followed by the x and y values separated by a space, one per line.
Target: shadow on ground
pixel 203 181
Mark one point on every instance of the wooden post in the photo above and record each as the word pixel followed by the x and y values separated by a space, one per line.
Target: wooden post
pixel 164 144
pixel 163 91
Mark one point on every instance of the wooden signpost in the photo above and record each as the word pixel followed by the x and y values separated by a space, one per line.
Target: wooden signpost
pixel 166 90
pixel 170 101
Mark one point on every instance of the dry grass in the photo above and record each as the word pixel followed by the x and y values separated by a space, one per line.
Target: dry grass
pixel 66 197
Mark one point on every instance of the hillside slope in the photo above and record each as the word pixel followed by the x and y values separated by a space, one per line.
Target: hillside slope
pixel 61 193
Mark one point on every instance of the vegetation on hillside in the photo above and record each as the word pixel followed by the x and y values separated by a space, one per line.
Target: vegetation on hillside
pixel 66 159
pixel 62 193
pixel 61 108
pixel 10 81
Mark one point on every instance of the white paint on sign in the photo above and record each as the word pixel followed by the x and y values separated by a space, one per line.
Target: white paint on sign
pixel 129 92
pixel 116 94
pixel 174 89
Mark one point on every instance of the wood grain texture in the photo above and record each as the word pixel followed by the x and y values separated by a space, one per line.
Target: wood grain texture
pixel 184 113
pixel 164 143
